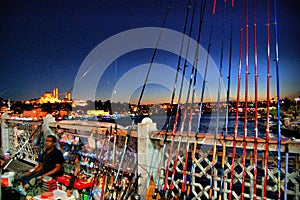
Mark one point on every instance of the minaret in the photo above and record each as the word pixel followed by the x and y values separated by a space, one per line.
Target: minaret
pixel 55 93
pixel 69 96
pixel 8 104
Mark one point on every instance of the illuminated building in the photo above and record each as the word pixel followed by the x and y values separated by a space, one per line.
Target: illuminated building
pixel 80 103
pixel 48 97
pixel 98 113
pixel 35 114
pixel 52 97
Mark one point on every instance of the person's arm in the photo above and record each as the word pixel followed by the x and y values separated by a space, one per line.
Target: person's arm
pixel 2 163
pixel 35 170
pixel 53 171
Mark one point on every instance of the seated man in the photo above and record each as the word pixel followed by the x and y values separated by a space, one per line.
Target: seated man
pixel 50 164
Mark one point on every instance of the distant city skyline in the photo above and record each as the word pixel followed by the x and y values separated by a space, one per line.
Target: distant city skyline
pixel 55 97
pixel 43 45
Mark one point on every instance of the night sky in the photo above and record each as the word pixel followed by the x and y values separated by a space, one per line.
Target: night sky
pixel 44 43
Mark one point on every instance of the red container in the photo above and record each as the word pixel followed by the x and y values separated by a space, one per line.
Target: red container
pixel 47 195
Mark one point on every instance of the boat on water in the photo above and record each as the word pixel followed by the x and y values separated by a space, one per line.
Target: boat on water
pixel 262 124
pixel 292 130
pixel 250 116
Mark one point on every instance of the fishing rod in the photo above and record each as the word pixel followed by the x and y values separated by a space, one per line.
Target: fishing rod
pixel 286 179
pixel 188 139
pixel 214 160
pixel 141 95
pixel 115 186
pixel 129 184
pixel 98 164
pixel 123 155
pixel 256 106
pixel 118 186
pixel 184 179
pixel 237 104
pixel 132 188
pixel 153 56
pixel 193 79
pixel 108 145
pixel 152 59
pixel 246 103
pixel 200 109
pixel 113 193
pixel 114 133
pixel 114 146
pixel 171 106
pixel 104 183
pixel 107 162
pixel 268 103
pixel 111 186
pixel 215 6
pixel 180 94
pixel 227 108
pixel 278 101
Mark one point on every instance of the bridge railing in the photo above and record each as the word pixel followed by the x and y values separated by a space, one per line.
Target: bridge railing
pixel 153 158
pixel 157 152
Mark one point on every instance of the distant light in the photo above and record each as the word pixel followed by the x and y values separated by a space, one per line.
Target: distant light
pixel 22 118
pixel 297 99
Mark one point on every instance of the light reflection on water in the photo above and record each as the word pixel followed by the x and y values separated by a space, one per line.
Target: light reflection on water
pixel 207 124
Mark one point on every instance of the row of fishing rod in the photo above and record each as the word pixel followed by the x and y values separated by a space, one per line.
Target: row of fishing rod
pixel 112 178
pixel 244 31
pixel 105 187
pixel 126 186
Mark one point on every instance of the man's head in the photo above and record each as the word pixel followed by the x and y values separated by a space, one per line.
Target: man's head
pixel 50 142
